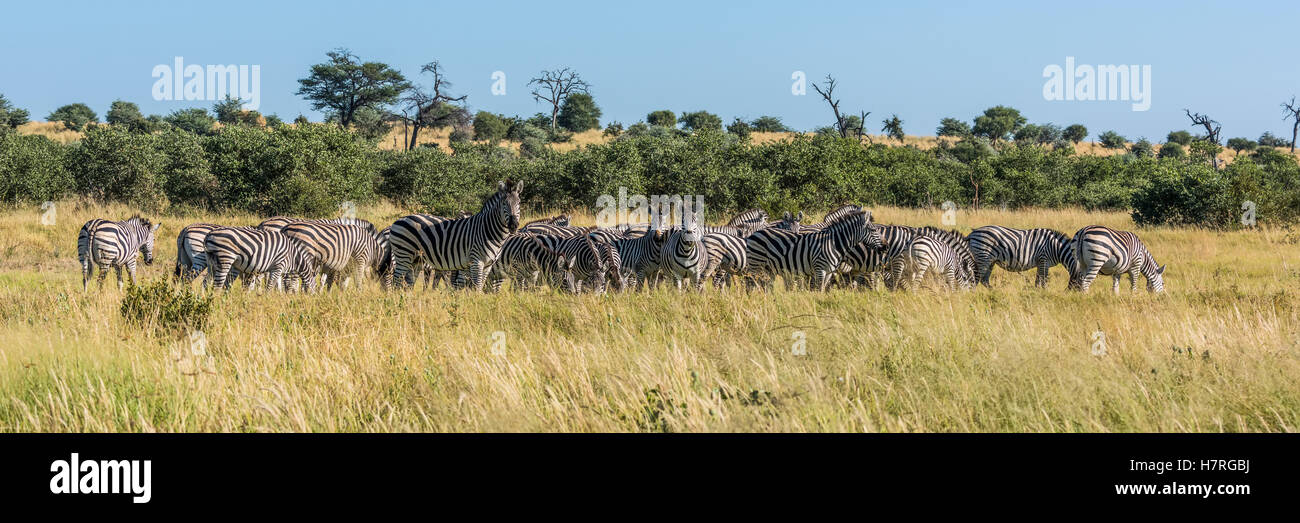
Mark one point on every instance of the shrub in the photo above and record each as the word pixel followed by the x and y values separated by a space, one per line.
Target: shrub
pixel 74 116
pixel 952 127
pixel 998 122
pixel 113 164
pixel 32 169
pixel 1172 150
pixel 1241 144
pixel 740 128
pixel 700 120
pixel 1184 194
pixel 171 310
pixel 579 113
pixel 489 127
pixel 664 118
pixel 1112 140
pixel 194 120
pixel 613 129
pixel 1075 133
pixel 1268 140
pixel 1182 138
pixel 1142 149
pixel 128 116
pixel 11 117
pixel 770 124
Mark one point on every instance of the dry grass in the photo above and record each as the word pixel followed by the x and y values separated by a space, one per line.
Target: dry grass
pixel 1219 352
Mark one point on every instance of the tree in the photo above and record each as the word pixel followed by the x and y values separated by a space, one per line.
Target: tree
pixel 1112 140
pixel 614 129
pixel 433 108
pixel 1293 113
pixel 1241 144
pixel 1075 133
pixel 1207 145
pixel 998 122
pixel 344 84
pixel 894 128
pixel 1179 137
pixel 127 115
pixel 74 116
pixel 228 109
pixel 579 113
pixel 769 124
pixel 273 121
pixel 952 127
pixel 489 127
pixel 371 123
pixel 1142 149
pixel 1172 150
pixel 11 117
pixel 700 120
pixel 195 120
pixel 1268 140
pixel 554 87
pixel 740 127
pixel 663 118
pixel 842 123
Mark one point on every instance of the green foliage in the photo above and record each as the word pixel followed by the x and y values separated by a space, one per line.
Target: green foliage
pixel 700 120
pixel 1241 144
pixel 663 118
pixel 371 123
pixel 490 127
pixel 186 174
pixel 893 127
pixel 1268 140
pixel 952 127
pixel 1143 149
pixel 32 169
pixel 1075 133
pixel 228 109
pixel 344 84
pixel 770 124
pixel 10 116
pixel 113 164
pixel 998 122
pixel 194 120
pixel 1180 193
pixel 1205 149
pixel 522 131
pixel 740 127
pixel 579 113
pixel 74 116
pixel 614 129
pixel 1172 150
pixel 167 309
pixel 1112 140
pixel 127 115
pixel 273 121
pixel 1182 138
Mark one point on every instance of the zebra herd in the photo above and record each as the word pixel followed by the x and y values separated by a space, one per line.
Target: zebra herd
pixel 481 250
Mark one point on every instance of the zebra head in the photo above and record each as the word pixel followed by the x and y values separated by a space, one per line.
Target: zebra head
pixel 852 228
pixel 790 222
pixel 506 202
pixel 1156 276
pixel 147 234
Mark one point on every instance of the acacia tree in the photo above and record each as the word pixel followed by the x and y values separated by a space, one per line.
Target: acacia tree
pixel 1208 144
pixel 1293 113
pixel 345 84
pixel 829 96
pixel 554 87
pixel 894 128
pixel 432 108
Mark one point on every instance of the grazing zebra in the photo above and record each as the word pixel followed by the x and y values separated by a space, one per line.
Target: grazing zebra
pixel 789 222
pixel 815 256
pixel 868 265
pixel 755 218
pixel 340 249
pixel 114 244
pixel 842 210
pixel 1016 250
pixel 278 223
pixel 470 244
pixel 253 251
pixel 929 250
pixel 588 262
pixel 527 261
pixel 1102 250
pixel 190 258
pixel 684 255
pixel 726 257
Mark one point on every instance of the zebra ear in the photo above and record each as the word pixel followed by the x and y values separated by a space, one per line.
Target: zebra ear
pixel 1160 270
pixel 800 217
pixel 155 227
pixel 519 186
pixel 501 185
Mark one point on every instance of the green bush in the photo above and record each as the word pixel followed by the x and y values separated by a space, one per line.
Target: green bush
pixel 579 113
pixel 664 118
pixel 168 309
pixel 1180 193
pixel 113 164
pixel 489 127
pixel 74 116
pixel 32 169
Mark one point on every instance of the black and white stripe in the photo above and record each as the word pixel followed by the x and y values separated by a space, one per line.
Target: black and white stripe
pixel 814 257
pixel 932 250
pixel 684 256
pixel 278 223
pixel 254 252
pixel 528 262
pixel 107 244
pixel 467 244
pixel 727 258
pixel 1016 250
pixel 1102 250
pixel 342 250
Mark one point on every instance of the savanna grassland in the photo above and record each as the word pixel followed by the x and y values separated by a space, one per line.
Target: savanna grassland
pixel 1220 351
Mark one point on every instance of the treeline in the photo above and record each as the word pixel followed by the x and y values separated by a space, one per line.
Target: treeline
pixel 310 169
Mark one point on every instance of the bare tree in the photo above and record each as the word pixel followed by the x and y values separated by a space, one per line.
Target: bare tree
pixel 555 86
pixel 431 108
pixel 843 124
pixel 1292 112
pixel 1211 126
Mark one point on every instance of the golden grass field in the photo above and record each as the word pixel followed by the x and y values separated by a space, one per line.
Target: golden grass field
pixel 1220 351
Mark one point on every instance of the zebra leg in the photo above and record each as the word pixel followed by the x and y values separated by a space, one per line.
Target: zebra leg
pixel 118 269
pixel 103 273
pixel 87 268
pixel 1043 268
pixel 983 268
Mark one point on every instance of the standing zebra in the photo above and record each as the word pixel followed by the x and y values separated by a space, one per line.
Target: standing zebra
pixel 684 255
pixel 639 257
pixel 114 244
pixel 469 244
pixel 190 259
pixel 1102 250
pixel 814 257
pixel 253 251
pixel 933 249
pixel 727 257
pixel 341 249
pixel 1016 250
pixel 868 265
pixel 527 262
pixel 431 277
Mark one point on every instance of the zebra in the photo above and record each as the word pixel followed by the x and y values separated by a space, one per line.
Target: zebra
pixel 107 244
pixel 340 249
pixel 469 244
pixel 253 251
pixel 525 259
pixel 639 257
pixel 431 277
pixel 835 214
pixel 727 257
pixel 752 217
pixel 1102 250
pixel 684 255
pixel 814 256
pixel 190 259
pixel 789 222
pixel 587 261
pixel 278 223
pixel 1016 250
pixel 930 249
pixel 867 265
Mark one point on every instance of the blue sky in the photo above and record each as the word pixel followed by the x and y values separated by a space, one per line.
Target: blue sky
pixel 920 60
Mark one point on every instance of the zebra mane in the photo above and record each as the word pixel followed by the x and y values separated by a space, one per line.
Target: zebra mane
pixel 843 210
pixel 952 237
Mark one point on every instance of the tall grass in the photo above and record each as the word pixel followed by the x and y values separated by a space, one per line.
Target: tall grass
pixel 1219 352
